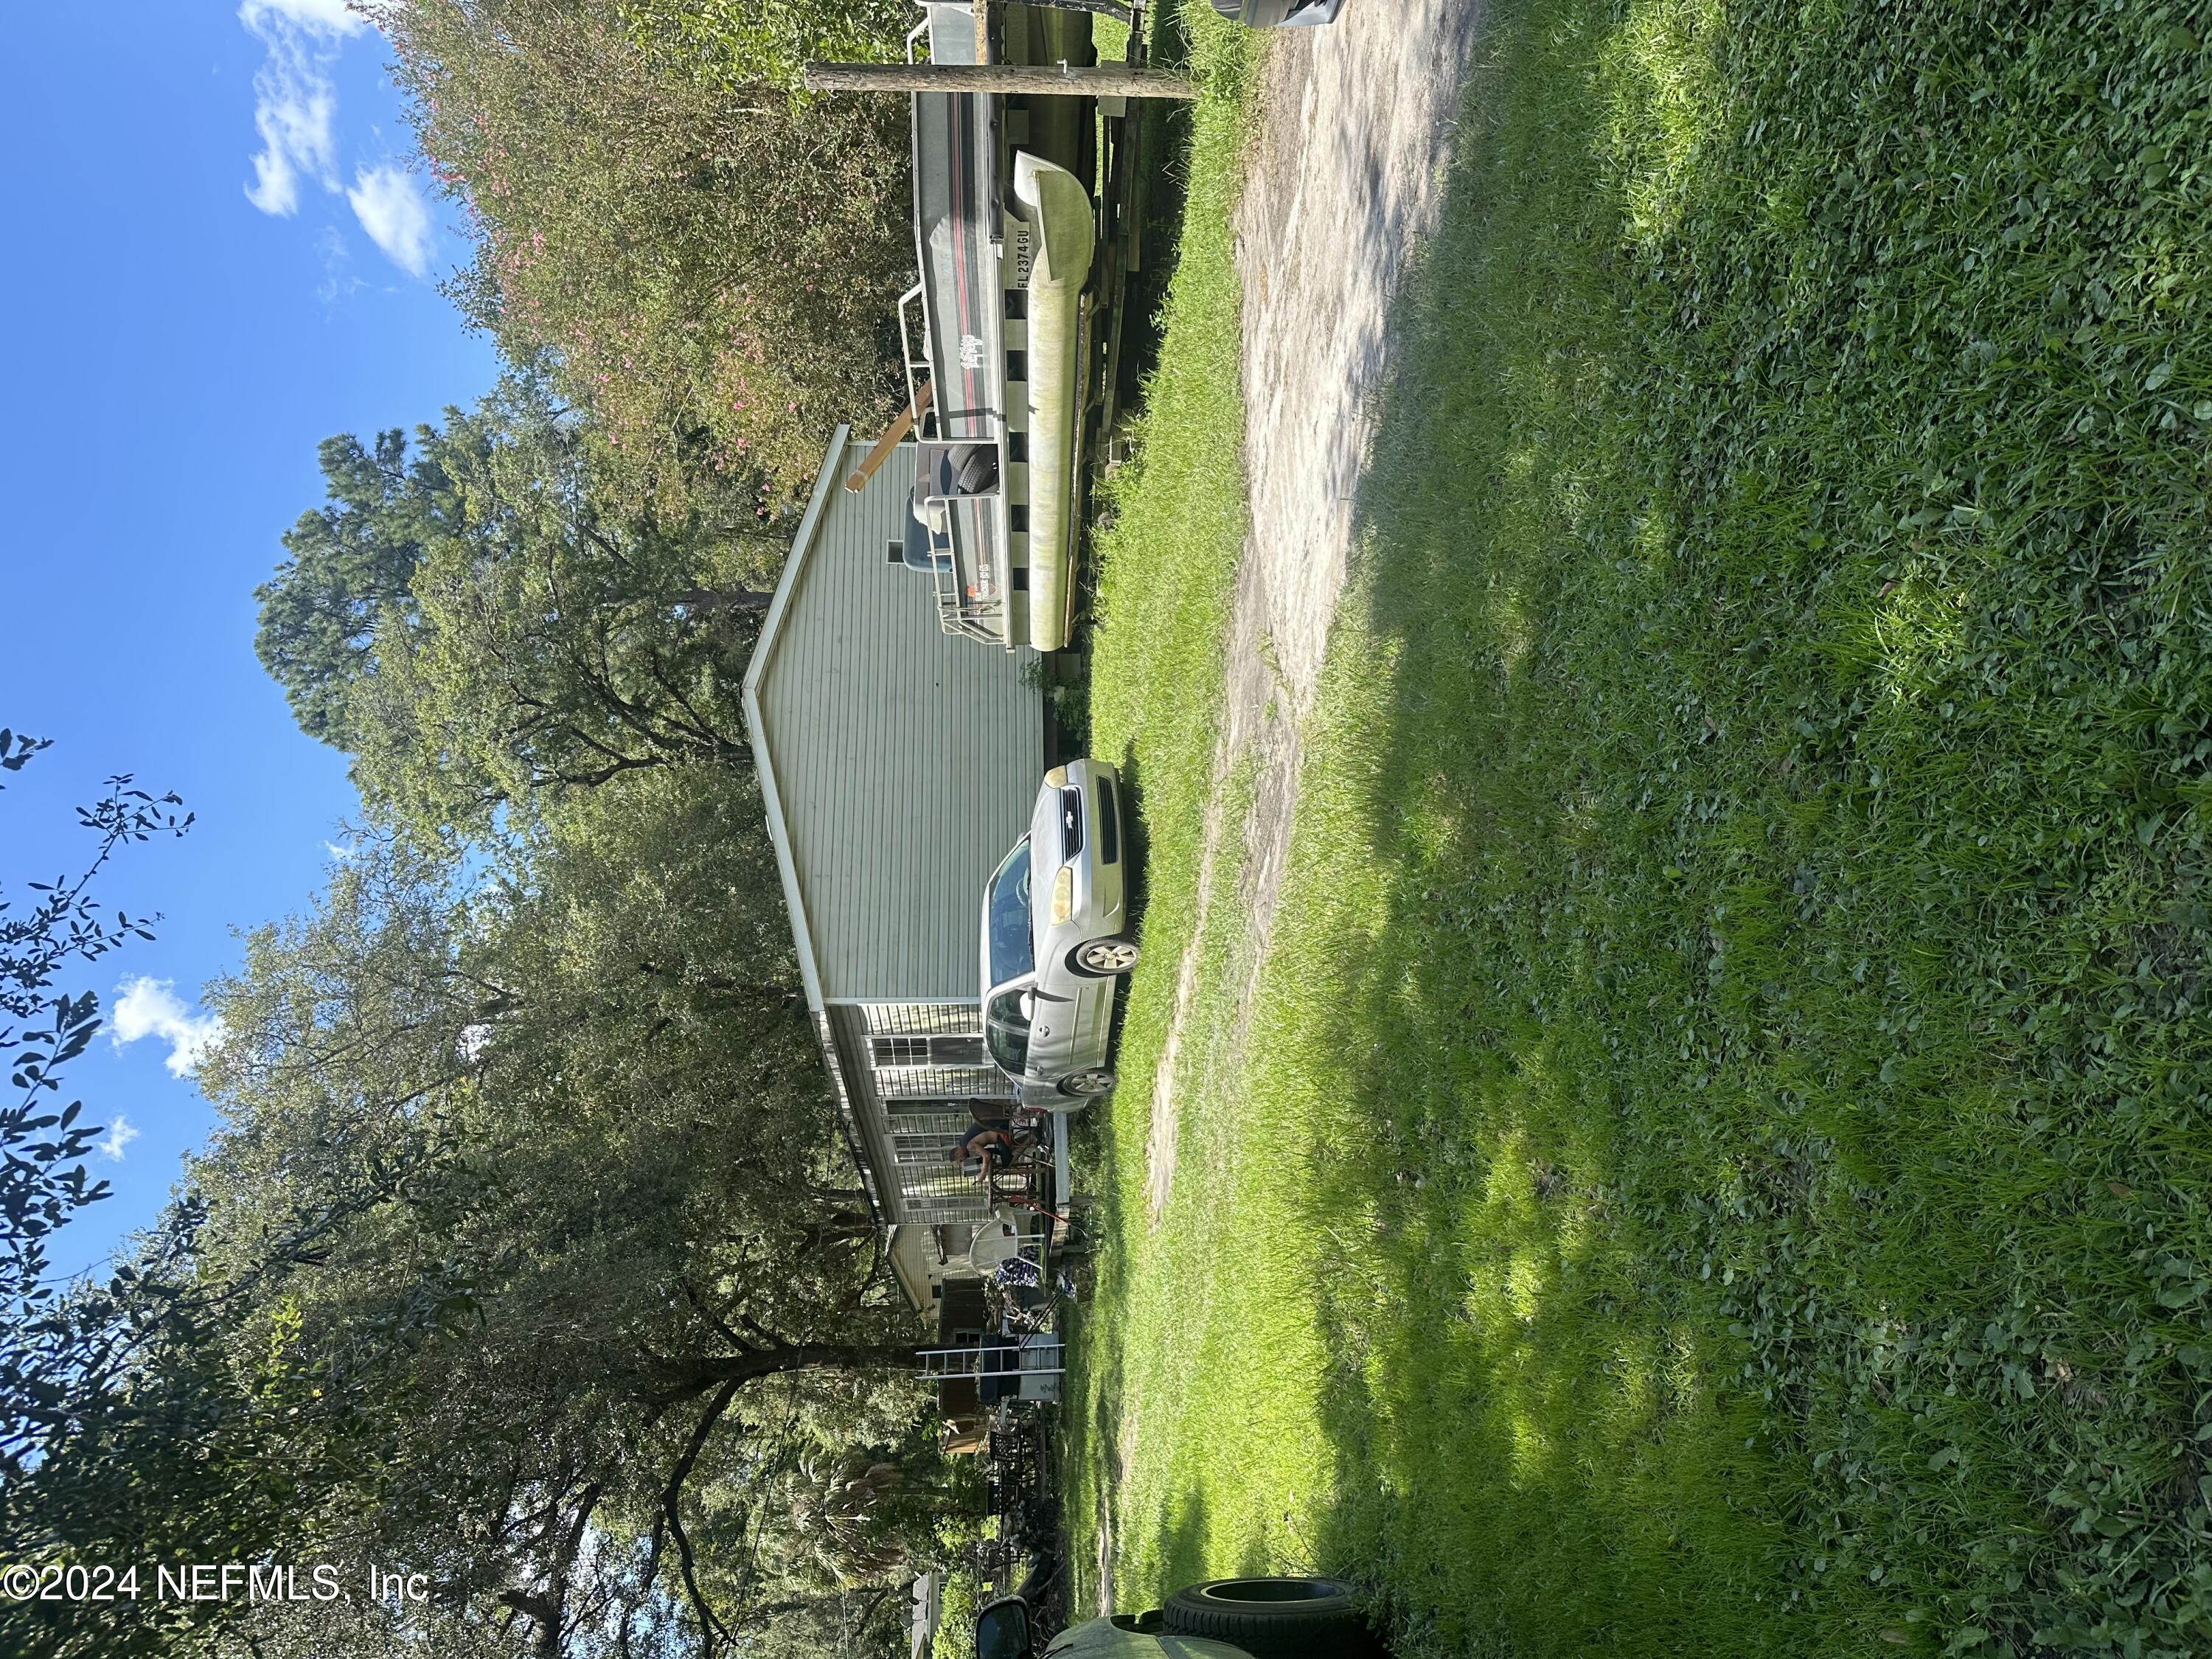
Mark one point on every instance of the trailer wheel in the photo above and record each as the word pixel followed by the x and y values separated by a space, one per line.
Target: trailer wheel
pixel 1273 1617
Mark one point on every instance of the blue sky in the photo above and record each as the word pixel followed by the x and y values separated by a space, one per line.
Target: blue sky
pixel 220 257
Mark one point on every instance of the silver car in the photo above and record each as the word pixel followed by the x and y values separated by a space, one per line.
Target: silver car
pixel 1053 945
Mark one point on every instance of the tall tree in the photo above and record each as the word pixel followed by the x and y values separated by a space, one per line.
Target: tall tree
pixel 622 1229
pixel 351 562
pixel 478 625
pixel 711 264
pixel 525 1258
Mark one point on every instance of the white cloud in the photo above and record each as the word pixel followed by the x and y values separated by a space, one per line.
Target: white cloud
pixel 295 102
pixel 121 1134
pixel 328 16
pixel 391 210
pixel 147 1007
pixel 338 281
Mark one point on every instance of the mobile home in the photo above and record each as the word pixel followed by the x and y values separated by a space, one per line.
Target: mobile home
pixel 896 772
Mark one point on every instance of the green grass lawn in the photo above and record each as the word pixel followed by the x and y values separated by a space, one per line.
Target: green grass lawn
pixel 1719 1160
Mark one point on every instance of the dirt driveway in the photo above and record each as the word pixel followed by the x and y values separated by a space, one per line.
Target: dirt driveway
pixel 1346 181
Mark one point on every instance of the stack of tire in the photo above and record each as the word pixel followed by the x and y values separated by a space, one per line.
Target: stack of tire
pixel 1274 1618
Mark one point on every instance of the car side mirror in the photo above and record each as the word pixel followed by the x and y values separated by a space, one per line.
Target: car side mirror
pixel 1002 1632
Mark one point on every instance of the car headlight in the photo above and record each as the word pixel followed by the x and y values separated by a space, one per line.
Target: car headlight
pixel 1063 894
pixel 1057 778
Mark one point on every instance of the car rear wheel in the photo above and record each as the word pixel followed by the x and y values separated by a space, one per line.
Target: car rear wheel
pixel 1089 1086
pixel 1273 1617
pixel 1103 958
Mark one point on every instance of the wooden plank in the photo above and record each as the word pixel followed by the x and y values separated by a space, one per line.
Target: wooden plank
pixel 1045 80
pixel 892 436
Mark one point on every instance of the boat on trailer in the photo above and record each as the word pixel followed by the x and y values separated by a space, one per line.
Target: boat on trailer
pixel 1005 236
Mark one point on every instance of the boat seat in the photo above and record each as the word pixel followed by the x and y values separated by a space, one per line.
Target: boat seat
pixel 926 549
pixel 946 471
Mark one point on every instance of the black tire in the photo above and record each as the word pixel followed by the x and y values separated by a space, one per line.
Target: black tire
pixel 1274 1618
pixel 1094 1084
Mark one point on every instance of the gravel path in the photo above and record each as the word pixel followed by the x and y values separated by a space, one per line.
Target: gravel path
pixel 1346 180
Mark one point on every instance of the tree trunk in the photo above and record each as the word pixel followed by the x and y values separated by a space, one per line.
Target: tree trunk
pixel 713 1371
pixel 710 600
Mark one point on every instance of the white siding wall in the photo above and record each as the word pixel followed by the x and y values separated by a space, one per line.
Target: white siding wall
pixel 905 759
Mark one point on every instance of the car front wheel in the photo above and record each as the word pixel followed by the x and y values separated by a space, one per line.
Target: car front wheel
pixel 1102 958
pixel 1273 1617
pixel 1089 1086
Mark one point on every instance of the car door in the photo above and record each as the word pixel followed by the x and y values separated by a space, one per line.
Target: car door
pixel 1093 1002
pixel 1055 1022
pixel 1082 1014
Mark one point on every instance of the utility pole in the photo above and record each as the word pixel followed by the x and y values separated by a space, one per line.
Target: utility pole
pixel 1050 80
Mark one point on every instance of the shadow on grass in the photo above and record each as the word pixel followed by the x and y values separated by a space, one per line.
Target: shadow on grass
pixel 1533 1448
pixel 1164 150
pixel 1734 1020
pixel 1135 842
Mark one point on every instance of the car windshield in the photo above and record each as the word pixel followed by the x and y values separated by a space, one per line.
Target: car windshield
pixel 1009 912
